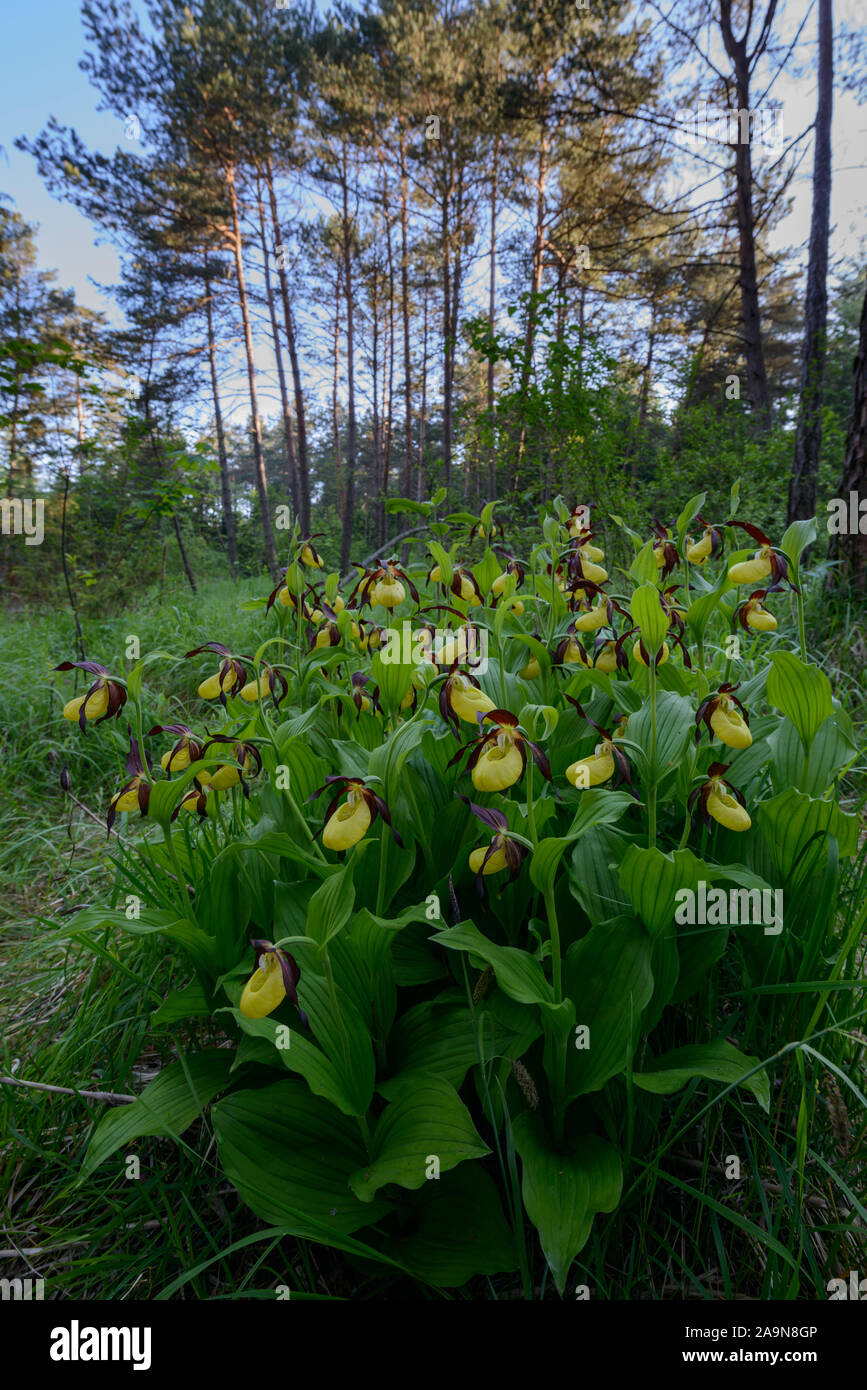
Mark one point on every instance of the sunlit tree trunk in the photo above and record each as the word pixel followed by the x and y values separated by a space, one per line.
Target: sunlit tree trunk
pixel 808 436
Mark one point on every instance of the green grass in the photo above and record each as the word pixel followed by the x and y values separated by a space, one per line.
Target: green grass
pixel 78 1017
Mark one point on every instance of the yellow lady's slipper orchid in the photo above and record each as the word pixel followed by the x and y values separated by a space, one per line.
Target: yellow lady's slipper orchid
pixel 94 704
pixel 730 727
pixel 716 800
pixel 265 990
pixel 724 715
pixel 698 552
pixel 753 614
pixel 495 862
pixel 246 755
pixel 348 823
pixel 730 813
pixel 103 700
pixel 382 585
pixel 309 556
pixel 466 699
pixel 593 618
pixel 591 772
pixel 589 570
pixel 254 689
pixel 499 766
pixel 606 659
pixel 754 570
pixel 275 979
pixel 573 654
pixel 389 592
pixel 532 671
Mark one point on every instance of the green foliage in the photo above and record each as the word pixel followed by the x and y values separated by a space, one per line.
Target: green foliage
pixel 411 1085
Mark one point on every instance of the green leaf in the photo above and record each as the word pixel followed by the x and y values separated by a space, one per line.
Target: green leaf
pixel 714 1061
pixel 290 1155
pixel 831 750
pixel 798 536
pixel 648 614
pixel 518 973
pixel 189 1002
pixel 802 692
pixel 166 1107
pixel 593 872
pixel 651 879
pixel 545 859
pixel 460 1230
pixel 434 1037
pixel 331 905
pixel 791 820
pixel 608 977
pixel 644 568
pixel 675 726
pixel 426 1119
pixel 687 516
pixel 599 806
pixel 443 560
pixel 563 1192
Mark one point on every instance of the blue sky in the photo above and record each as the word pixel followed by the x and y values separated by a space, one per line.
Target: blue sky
pixel 40 77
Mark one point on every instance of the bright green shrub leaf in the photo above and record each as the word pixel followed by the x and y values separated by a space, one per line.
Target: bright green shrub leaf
pixel 675 726
pixel 714 1061
pixel 699 612
pixel 442 558
pixel 390 756
pixel 343 1037
pixel 301 1056
pixel 290 1155
pixel 599 806
pixel 647 612
pixel 545 859
pixel 150 922
pixel 518 973
pixel 593 872
pixel 331 905
pixel 461 1230
pixel 426 1118
pixel 802 692
pixel 434 1037
pixel 651 879
pixel 166 1107
pixel 644 568
pixel 796 539
pixel 189 1002
pixel 687 516
pixel 789 821
pixel 607 976
pixel 563 1192
pixel 832 749
pixel 285 846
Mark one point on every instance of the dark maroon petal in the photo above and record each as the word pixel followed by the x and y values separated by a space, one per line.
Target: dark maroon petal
pixel 757 535
pixel 94 668
pixel 488 815
pixel 209 647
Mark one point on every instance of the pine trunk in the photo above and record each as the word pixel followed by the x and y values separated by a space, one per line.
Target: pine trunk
pixel 808 437
pixel 255 421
